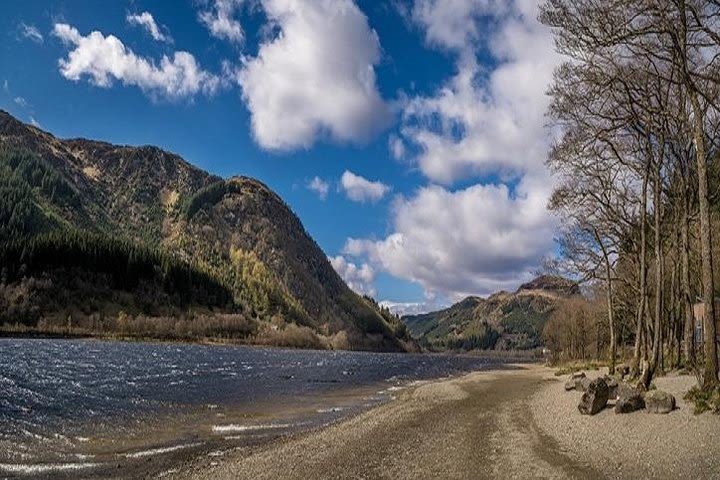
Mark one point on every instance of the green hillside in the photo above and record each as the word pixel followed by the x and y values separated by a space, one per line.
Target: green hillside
pixel 501 321
pixel 93 232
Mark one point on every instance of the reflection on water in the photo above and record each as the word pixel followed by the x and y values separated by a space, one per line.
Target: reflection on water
pixel 67 404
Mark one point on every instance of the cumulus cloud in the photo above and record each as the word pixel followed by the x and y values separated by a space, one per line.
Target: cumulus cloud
pixel 319 186
pixel 473 240
pixel 103 59
pixel 358 277
pixel 316 77
pixel 31 32
pixel 454 24
pixel 488 122
pixel 220 21
pixel 360 189
pixel 146 20
pixel 485 124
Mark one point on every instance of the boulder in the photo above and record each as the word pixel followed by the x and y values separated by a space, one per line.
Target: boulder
pixel 657 401
pixel 582 384
pixel 629 399
pixel 624 389
pixel 595 397
pixel 612 384
pixel 577 375
pixel 569 385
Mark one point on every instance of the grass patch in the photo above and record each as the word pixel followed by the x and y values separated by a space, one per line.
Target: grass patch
pixel 704 400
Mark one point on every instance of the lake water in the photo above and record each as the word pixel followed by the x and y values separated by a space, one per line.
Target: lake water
pixel 67 405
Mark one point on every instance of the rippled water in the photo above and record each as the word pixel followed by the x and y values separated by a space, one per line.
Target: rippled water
pixel 58 395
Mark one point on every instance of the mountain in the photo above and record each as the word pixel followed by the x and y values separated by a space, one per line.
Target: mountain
pixel 501 321
pixel 102 238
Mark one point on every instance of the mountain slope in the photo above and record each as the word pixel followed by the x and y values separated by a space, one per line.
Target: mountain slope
pixel 502 321
pixel 235 232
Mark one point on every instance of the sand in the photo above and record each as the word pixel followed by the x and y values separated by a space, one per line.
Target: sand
pixel 512 423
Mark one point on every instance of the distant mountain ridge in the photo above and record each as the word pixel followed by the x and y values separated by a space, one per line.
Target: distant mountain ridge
pixel 144 201
pixel 503 320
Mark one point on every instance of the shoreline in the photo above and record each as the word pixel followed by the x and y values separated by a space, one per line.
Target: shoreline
pixel 512 356
pixel 513 422
pixel 145 444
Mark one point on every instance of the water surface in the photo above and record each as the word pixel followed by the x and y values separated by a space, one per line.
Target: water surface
pixel 72 404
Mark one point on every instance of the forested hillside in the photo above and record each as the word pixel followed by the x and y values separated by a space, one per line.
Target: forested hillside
pixel 501 321
pixel 104 239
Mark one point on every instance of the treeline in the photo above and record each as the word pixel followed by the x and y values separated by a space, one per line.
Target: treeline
pixel 207 196
pixel 392 320
pixel 21 213
pixel 126 265
pixel 486 341
pixel 638 108
pixel 260 291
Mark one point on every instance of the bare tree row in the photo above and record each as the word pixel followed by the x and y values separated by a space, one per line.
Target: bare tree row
pixel 635 110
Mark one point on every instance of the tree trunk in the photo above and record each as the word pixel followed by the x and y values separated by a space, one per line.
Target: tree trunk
pixel 640 343
pixel 689 340
pixel 659 270
pixel 611 320
pixel 710 370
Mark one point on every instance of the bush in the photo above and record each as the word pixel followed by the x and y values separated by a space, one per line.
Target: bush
pixel 704 400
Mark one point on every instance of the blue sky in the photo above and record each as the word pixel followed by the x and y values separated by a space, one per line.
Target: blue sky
pixel 420 122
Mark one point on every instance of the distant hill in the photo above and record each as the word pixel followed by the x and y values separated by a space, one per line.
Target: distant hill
pixel 501 321
pixel 98 237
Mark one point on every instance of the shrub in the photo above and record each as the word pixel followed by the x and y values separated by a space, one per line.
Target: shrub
pixel 704 400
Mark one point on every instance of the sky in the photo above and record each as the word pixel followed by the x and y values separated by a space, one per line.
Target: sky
pixel 408 136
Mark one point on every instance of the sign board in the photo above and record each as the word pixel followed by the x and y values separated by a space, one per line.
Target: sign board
pixel 699 314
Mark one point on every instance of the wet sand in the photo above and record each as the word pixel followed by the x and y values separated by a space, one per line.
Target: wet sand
pixel 512 423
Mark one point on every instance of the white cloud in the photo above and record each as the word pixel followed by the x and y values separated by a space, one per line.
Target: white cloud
pixel 475 240
pixel 319 186
pixel 34 122
pixel 219 20
pixel 484 122
pixel 6 86
pixel 316 77
pixel 358 277
pixel 481 123
pixel 20 101
pixel 453 24
pixel 397 147
pixel 103 59
pixel 359 189
pixel 146 20
pixel 410 308
pixel 31 32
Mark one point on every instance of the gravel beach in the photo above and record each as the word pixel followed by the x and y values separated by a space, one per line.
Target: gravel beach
pixel 512 423
pixel 636 445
